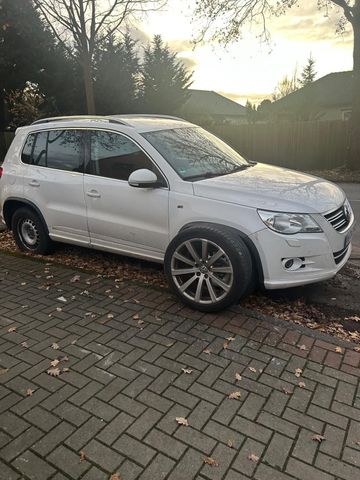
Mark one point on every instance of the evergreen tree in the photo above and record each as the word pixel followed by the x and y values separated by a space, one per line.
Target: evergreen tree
pixel 308 74
pixel 29 54
pixel 164 80
pixel 116 76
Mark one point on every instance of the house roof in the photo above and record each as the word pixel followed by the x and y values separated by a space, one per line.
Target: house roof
pixel 333 90
pixel 206 102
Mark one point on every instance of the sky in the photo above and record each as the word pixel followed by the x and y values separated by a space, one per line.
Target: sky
pixel 248 69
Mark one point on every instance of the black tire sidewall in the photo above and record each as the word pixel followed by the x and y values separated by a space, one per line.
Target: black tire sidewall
pixel 44 245
pixel 238 254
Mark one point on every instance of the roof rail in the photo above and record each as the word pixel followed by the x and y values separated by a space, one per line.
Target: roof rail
pixel 109 119
pixel 150 115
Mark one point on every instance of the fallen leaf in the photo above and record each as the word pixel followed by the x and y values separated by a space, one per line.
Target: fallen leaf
pixel 354 318
pixel 25 345
pixel 338 350
pixel 66 369
pixel 115 476
pixel 169 344
pixel 287 392
pixel 302 385
pixel 235 395
pixel 357 443
pixel 318 438
pixel 75 278
pixel 23 283
pixel 12 329
pixel 58 309
pixel 53 372
pixel 230 444
pixel 55 346
pixel 63 358
pixel 182 421
pixel 110 316
pixel 29 392
pixel 207 351
pixel 302 347
pixel 254 458
pixel 3 371
pixel 252 369
pixel 226 344
pixel 238 376
pixel 82 456
pixel 55 362
pixel 298 372
pixel 230 339
pixel 211 461
pixel 357 349
pixel 140 322
pixel 187 370
pixel 62 299
pixel 73 341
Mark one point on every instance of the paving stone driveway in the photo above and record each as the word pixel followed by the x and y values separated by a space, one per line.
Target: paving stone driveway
pixel 125 387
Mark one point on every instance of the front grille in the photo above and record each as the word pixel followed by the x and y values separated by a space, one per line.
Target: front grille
pixel 340 255
pixel 339 218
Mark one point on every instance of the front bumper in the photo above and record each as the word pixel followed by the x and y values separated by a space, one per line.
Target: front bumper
pixel 322 255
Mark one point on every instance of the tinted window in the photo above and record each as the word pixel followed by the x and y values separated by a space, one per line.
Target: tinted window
pixel 65 150
pixel 60 149
pixel 115 156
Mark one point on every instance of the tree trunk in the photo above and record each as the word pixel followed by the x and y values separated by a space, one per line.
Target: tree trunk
pixel 3 116
pixel 89 86
pixel 354 151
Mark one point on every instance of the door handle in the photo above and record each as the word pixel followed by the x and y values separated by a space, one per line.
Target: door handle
pixel 93 194
pixel 34 183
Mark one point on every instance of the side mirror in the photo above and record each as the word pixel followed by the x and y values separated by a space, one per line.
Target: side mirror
pixel 143 178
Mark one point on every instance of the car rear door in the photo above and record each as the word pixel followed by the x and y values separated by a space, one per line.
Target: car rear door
pixel 121 217
pixel 54 181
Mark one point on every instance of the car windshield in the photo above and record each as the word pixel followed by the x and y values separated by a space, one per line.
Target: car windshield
pixel 196 154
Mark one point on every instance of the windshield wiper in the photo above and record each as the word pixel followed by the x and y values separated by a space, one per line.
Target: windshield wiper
pixel 203 176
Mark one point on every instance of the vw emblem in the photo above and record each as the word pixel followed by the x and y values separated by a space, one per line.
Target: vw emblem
pixel 347 212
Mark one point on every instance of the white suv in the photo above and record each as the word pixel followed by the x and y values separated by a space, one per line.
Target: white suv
pixel 166 190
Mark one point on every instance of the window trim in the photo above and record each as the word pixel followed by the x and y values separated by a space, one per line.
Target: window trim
pixel 87 152
pixel 47 130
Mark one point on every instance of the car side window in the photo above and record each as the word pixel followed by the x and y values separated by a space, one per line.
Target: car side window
pixel 60 149
pixel 116 156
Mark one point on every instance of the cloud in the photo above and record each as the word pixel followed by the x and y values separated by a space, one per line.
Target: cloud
pixel 189 62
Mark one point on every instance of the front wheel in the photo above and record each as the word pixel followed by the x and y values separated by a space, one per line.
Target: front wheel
pixel 208 267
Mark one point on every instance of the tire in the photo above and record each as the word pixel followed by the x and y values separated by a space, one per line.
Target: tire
pixel 30 233
pixel 217 267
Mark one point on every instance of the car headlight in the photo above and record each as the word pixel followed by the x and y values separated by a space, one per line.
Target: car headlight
pixel 289 223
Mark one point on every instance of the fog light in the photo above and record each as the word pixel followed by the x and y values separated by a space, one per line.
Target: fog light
pixel 293 264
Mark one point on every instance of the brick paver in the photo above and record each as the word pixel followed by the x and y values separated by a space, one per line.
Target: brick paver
pixel 125 347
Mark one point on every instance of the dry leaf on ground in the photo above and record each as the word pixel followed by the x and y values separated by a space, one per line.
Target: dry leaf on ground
pixel 62 299
pixel 115 476
pixel 302 347
pixel 55 346
pixel 235 395
pixel 211 461
pixel 238 376
pixel 298 372
pixel 25 345
pixel 55 363
pixel 29 392
pixel 287 392
pixel 187 370
pixel 136 316
pixel 3 371
pixel 53 372
pixel 252 369
pixel 207 351
pixel 75 278
pixel 338 350
pixel 12 329
pixel 182 421
pixel 318 438
pixel 254 458
pixel 230 444
pixel 301 384
pixel 82 456
pixel 66 369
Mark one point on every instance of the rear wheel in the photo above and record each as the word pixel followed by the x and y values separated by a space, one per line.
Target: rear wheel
pixel 30 233
pixel 208 267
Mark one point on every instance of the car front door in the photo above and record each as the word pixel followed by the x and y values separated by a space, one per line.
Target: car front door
pixel 54 182
pixel 120 217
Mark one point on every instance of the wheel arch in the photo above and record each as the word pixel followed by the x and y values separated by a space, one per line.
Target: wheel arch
pixel 13 203
pixel 246 239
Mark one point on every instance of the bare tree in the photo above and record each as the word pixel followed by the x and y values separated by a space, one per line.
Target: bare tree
pixel 225 19
pixel 80 25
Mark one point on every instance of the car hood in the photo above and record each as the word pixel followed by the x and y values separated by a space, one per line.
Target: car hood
pixel 273 188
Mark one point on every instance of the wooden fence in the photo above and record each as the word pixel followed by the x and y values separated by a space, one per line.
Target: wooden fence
pixel 298 145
